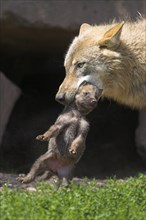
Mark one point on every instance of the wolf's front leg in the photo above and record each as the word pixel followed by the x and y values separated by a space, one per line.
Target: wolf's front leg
pixel 141 134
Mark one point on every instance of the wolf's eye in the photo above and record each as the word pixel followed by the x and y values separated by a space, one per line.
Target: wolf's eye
pixel 80 65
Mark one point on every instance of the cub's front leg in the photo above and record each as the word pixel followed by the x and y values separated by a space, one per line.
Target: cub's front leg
pixel 49 134
pixel 62 122
pixel 79 142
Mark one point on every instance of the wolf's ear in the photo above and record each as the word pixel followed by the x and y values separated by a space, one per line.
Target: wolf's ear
pixel 111 38
pixel 84 27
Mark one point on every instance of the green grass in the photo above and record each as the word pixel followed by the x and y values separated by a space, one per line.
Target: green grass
pixel 116 200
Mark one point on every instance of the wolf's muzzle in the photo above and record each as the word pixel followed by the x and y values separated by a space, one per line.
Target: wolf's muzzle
pixel 60 98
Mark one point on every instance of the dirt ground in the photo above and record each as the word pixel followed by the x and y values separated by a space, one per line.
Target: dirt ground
pixel 11 181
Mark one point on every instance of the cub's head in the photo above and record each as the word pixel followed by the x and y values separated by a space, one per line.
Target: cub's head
pixel 86 98
pixel 89 59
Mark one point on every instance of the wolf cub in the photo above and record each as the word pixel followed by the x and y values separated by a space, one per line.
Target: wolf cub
pixel 66 138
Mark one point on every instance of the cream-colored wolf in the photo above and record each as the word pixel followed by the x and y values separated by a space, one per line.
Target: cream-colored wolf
pixel 112 57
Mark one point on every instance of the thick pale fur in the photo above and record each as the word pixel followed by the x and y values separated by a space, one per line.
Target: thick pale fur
pixel 113 57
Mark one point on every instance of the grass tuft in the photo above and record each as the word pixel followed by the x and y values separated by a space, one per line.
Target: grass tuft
pixel 115 200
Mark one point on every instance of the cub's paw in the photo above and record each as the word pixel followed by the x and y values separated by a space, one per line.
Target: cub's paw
pixel 20 178
pixel 23 179
pixel 42 137
pixel 72 151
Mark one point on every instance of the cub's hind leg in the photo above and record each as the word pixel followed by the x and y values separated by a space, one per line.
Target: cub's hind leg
pixel 39 166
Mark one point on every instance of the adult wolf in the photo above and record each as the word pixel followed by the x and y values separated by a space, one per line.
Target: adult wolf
pixel 113 57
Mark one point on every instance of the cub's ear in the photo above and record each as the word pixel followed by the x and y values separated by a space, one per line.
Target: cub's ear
pixel 111 38
pixel 84 27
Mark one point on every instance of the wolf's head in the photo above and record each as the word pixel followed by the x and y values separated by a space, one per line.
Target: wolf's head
pixel 89 59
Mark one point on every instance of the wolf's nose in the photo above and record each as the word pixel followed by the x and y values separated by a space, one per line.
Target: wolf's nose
pixel 60 98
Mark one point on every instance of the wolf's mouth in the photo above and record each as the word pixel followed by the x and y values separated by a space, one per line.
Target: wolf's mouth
pixel 99 95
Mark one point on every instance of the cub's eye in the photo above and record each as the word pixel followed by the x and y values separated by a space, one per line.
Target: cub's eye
pixel 85 93
pixel 80 65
